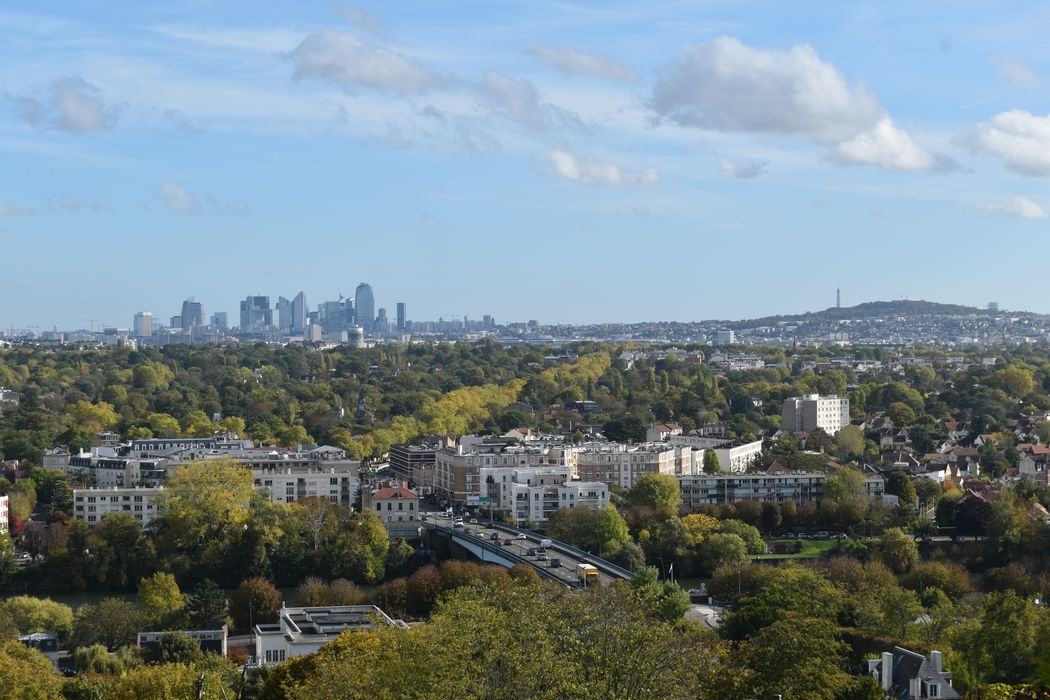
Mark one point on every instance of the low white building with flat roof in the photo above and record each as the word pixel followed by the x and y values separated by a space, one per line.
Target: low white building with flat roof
pixel 302 631
pixel 90 505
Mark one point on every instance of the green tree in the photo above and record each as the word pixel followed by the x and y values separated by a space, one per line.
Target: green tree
pixel 254 601
pixel 898 550
pixel 660 492
pixel 1016 381
pixel 31 614
pixel 750 535
pixel 797 658
pixel 26 674
pixel 849 442
pixel 178 648
pixel 899 484
pixel 711 465
pixel 721 549
pixel 161 601
pixel 113 622
pixel 206 604
pixel 206 500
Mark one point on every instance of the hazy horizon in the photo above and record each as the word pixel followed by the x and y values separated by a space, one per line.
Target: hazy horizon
pixel 561 161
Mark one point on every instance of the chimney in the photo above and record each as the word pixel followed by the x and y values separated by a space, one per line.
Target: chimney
pixel 887 670
pixel 935 661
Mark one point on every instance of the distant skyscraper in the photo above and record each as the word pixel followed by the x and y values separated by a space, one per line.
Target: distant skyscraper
pixel 192 314
pixel 364 306
pixel 143 324
pixel 993 306
pixel 401 317
pixel 725 337
pixel 219 319
pixel 382 326
pixel 838 298
pixel 256 315
pixel 282 317
pixel 299 313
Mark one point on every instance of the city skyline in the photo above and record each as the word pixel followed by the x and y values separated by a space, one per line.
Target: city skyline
pixel 513 152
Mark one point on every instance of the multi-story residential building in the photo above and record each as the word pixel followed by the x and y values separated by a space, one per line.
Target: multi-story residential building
pixel 531 494
pixel 90 505
pixel 807 413
pixel 734 456
pixel 302 631
pixel 780 487
pixel 291 484
pixel 5 514
pixel 457 468
pixel 613 463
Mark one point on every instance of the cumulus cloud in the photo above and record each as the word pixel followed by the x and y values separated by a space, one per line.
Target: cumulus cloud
pixel 345 59
pixel 1020 139
pixel 589 170
pixel 518 100
pixel 576 62
pixel 363 20
pixel 888 147
pixel 1016 206
pixel 1016 73
pixel 727 86
pixel 744 171
pixel 71 105
pixel 178 199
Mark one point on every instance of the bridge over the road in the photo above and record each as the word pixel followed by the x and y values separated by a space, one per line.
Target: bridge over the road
pixel 503 544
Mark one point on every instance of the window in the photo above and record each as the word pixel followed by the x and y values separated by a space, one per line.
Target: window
pixel 379 506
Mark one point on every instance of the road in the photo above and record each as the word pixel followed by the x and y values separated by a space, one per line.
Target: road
pixel 569 560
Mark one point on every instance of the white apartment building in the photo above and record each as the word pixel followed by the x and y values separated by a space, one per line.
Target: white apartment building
pixel 336 484
pixel 90 505
pixel 302 631
pixel 613 463
pixel 799 487
pixel 530 495
pixel 734 456
pixel 807 413
pixel 457 470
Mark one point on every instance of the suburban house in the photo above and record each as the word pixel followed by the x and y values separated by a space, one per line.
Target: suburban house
pixel 907 675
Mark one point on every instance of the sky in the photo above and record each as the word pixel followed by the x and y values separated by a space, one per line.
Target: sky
pixel 530 159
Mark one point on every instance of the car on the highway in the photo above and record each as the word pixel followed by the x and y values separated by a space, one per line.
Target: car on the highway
pixel 458 523
pixel 494 536
pixel 543 556
pixel 507 543
pixel 473 521
pixel 554 563
pixel 521 536
pixel 530 552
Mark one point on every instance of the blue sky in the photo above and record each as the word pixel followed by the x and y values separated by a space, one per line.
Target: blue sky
pixel 565 161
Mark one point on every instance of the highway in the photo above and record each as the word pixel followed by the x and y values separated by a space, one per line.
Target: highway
pixel 517 543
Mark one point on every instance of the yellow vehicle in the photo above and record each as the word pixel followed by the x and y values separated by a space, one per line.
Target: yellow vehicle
pixel 587 575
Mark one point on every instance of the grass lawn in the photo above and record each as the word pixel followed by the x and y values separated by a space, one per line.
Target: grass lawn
pixel 811 549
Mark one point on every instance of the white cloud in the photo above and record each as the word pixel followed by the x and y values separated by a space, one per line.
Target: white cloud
pixel 264 40
pixel 743 171
pixel 347 60
pixel 363 21
pixel 727 86
pixel 178 199
pixel 71 105
pixel 589 170
pixel 1019 138
pixel 885 146
pixel 1016 73
pixel 518 100
pixel 1016 206
pixel 576 62
pixel 11 210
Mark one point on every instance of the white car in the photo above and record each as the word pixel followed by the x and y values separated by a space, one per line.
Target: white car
pixel 521 536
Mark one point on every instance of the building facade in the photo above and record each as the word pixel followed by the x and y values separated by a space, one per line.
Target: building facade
pixel 90 505
pixel 528 496
pixel 302 631
pixel 807 413
pixel 364 307
pixel 798 487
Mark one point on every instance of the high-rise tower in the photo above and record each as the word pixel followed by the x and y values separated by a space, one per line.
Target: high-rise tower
pixel 364 306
